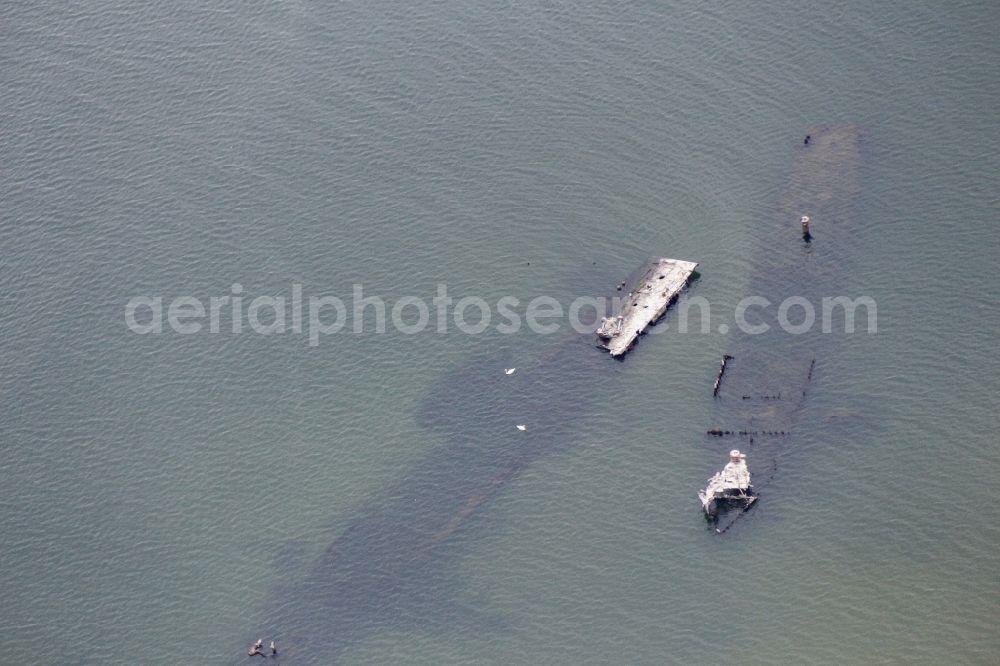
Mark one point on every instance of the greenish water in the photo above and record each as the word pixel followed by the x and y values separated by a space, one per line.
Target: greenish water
pixel 163 497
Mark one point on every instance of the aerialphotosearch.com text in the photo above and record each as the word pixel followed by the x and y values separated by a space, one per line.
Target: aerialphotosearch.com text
pixel 319 316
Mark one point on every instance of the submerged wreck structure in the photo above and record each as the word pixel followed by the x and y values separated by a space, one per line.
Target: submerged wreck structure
pixel 802 255
pixel 655 290
pixel 393 563
pixel 731 486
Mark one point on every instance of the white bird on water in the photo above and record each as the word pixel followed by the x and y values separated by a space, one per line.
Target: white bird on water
pixel 520 427
pixel 509 371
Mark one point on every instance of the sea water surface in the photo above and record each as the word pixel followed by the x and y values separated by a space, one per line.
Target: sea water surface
pixel 159 492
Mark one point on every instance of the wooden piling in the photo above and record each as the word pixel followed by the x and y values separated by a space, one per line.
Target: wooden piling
pixel 718 379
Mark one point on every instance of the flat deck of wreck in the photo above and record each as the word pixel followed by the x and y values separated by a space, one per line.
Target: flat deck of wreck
pixel 655 290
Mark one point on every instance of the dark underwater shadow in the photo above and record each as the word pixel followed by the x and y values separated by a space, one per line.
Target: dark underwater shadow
pixel 393 566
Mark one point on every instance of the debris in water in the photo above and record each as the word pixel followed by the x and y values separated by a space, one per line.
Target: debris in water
pixel 659 286
pixel 730 487
pixel 718 379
